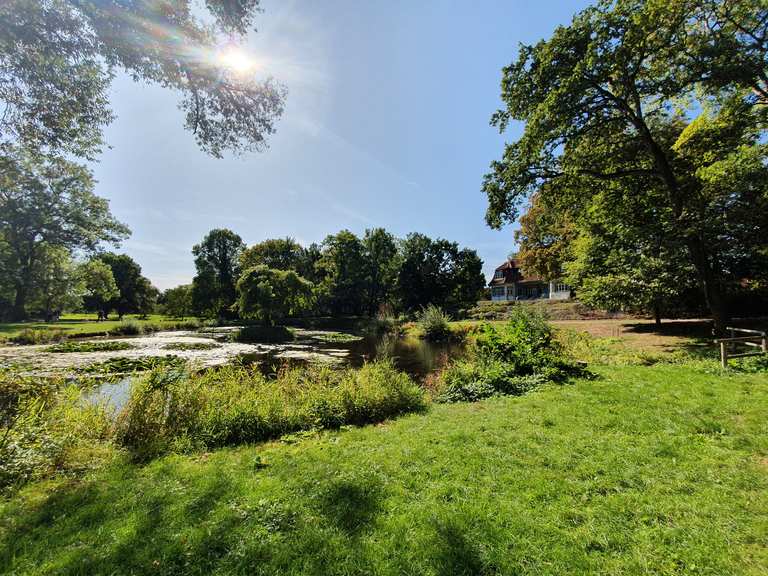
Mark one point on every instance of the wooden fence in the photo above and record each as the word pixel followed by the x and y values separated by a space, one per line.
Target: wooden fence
pixel 754 339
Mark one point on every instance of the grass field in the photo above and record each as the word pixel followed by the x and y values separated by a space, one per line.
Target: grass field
pixel 80 325
pixel 643 470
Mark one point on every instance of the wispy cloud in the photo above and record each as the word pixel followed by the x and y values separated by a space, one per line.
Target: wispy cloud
pixel 351 213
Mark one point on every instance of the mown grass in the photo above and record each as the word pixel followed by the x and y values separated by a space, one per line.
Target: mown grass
pixel 646 470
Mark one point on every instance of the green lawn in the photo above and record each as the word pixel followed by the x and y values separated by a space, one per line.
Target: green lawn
pixel 79 324
pixel 646 470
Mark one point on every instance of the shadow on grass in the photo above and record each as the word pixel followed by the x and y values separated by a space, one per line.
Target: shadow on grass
pixel 456 553
pixel 136 525
pixel 352 505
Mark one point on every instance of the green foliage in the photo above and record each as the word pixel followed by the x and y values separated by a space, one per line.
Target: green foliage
pixel 57 284
pixel 275 253
pixel 75 346
pixel 177 301
pixel 626 124
pixel 272 295
pixel 49 209
pixel 342 268
pixel 434 323
pixel 645 470
pixel 217 261
pixel 171 411
pixel 189 346
pixel 336 337
pixel 136 295
pixel 438 272
pixel 124 365
pixel 507 358
pixel 99 285
pixel 129 327
pixel 263 334
pixel 37 336
pixel 58 99
pixel 472 380
pixel 43 425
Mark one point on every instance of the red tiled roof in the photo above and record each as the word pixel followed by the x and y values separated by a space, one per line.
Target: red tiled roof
pixel 513 274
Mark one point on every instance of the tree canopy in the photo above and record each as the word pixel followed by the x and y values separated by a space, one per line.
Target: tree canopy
pixel 47 203
pixel 217 260
pixel 654 97
pixel 268 294
pixel 135 293
pixel 58 58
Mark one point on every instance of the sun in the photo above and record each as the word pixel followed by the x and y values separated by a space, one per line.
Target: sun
pixel 236 60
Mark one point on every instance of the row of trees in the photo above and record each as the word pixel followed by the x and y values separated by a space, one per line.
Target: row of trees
pixel 343 275
pixel 643 159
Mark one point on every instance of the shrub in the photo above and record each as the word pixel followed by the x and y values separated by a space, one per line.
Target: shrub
pixel 40 336
pixel 511 358
pixel 173 411
pixel 434 323
pixel 191 324
pixel 129 327
pixel 263 334
pixel 469 381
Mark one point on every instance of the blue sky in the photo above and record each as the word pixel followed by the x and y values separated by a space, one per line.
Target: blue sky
pixel 386 124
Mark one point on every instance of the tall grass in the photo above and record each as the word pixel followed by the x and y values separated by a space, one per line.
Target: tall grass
pixel 174 411
pixel 434 323
pixel 39 336
pixel 45 427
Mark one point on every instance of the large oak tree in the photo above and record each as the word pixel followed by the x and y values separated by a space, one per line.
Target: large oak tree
pixel 669 94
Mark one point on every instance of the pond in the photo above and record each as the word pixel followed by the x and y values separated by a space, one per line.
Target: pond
pixel 414 356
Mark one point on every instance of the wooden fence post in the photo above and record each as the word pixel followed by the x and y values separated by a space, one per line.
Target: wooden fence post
pixel 723 354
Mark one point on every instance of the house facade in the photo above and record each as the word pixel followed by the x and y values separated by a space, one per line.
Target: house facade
pixel 509 282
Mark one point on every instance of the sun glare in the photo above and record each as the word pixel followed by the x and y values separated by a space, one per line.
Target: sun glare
pixel 236 60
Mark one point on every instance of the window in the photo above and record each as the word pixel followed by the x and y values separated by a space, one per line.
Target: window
pixel 497 291
pixel 499 274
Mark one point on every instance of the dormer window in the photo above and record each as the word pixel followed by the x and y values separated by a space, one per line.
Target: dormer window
pixel 499 274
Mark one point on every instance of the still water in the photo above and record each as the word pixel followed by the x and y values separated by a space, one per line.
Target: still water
pixel 414 356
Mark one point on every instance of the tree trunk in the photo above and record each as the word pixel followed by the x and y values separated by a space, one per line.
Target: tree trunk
pixel 710 284
pixel 19 311
pixel 657 313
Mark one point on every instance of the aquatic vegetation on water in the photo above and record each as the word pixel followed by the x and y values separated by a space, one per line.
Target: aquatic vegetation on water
pixel 123 365
pixel 334 337
pixel 76 346
pixel 191 346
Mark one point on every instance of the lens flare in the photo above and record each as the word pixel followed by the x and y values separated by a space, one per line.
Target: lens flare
pixel 236 60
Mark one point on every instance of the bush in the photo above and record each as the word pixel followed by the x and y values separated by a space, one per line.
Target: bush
pixel 173 411
pixel 470 381
pixel 263 334
pixel 40 336
pixel 434 323
pixel 508 359
pixel 129 327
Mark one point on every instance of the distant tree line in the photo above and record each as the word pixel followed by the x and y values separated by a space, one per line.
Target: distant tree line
pixel 344 275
